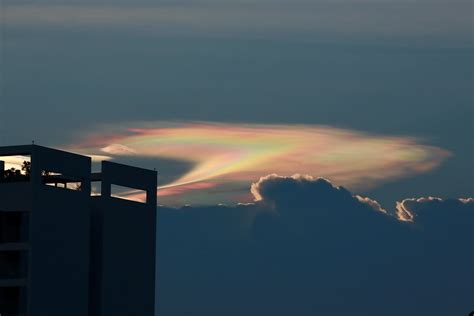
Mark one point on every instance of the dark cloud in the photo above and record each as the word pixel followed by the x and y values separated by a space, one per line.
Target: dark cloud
pixel 306 247
pixel 433 210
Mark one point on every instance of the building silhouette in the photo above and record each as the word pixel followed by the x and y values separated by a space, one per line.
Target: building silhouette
pixel 64 251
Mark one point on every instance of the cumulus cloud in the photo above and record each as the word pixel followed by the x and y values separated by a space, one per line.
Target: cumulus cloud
pixel 467 200
pixel 372 203
pixel 308 247
pixel 298 188
pixel 412 208
pixel 270 187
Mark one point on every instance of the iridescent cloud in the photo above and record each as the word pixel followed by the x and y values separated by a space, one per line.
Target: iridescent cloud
pixel 226 154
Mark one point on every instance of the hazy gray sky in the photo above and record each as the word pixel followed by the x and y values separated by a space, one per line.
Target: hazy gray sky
pixel 384 67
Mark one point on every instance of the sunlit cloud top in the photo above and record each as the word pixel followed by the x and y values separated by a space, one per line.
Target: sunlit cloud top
pixel 225 154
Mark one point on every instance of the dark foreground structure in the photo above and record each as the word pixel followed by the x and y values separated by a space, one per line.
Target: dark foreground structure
pixel 64 251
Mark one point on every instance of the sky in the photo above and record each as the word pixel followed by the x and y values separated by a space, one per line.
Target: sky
pixel 374 96
pixel 388 68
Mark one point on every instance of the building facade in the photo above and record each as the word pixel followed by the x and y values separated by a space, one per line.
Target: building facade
pixel 64 251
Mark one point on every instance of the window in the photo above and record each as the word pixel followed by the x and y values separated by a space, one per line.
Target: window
pixel 12 264
pixel 129 194
pixel 16 168
pixel 96 188
pixel 59 180
pixel 13 227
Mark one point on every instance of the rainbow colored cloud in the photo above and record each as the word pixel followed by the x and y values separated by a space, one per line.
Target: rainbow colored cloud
pixel 227 158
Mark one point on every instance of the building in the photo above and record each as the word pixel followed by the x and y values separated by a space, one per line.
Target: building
pixel 64 251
